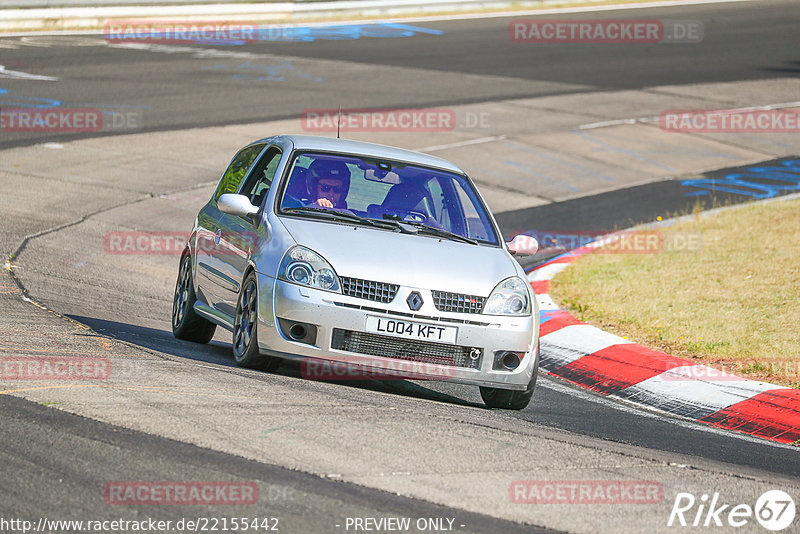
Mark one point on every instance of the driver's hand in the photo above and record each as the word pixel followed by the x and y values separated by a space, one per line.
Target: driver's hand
pixel 324 203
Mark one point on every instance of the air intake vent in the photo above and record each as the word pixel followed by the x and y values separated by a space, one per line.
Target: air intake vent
pixel 457 303
pixel 369 290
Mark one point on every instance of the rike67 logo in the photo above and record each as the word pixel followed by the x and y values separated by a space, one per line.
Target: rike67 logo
pixel 774 510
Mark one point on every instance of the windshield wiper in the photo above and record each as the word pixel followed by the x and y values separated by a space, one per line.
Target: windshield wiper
pixel 432 230
pixel 351 217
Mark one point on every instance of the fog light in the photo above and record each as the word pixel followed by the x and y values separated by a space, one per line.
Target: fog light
pixel 505 360
pixel 300 332
pixel 297 331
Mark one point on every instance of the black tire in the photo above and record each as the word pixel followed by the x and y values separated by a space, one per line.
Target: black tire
pixel 507 399
pixel 245 324
pixel 186 323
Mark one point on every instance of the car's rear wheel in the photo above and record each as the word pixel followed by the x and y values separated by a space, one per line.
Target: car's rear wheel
pixel 507 399
pixel 186 323
pixel 245 324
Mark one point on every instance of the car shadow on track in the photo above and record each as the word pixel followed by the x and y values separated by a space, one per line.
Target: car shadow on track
pixel 159 340
pixel 429 390
pixel 219 353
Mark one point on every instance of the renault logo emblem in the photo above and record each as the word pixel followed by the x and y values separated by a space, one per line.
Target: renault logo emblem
pixel 414 301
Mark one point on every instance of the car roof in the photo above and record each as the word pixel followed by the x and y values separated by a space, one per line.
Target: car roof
pixel 347 146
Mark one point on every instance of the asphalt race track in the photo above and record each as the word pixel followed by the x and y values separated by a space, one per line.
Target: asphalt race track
pixel 469 61
pixel 319 452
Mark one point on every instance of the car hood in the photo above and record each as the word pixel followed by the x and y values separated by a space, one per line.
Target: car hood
pixel 423 262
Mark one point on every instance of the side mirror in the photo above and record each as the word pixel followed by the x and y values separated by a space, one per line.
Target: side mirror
pixel 238 205
pixel 523 244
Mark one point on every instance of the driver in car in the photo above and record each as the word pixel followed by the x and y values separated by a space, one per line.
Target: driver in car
pixel 328 183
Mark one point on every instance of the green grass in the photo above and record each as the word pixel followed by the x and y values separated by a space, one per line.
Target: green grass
pixel 732 304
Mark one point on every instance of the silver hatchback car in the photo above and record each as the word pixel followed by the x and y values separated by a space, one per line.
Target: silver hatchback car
pixel 342 253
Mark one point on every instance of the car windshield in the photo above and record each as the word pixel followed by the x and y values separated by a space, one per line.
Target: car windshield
pixel 435 202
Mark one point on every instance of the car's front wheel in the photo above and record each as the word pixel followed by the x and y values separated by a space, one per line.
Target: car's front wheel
pixel 245 324
pixel 186 323
pixel 511 400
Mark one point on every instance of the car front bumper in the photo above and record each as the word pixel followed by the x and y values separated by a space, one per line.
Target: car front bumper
pixel 341 336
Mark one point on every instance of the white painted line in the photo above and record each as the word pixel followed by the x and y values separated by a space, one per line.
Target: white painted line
pixel 19 75
pixel 461 143
pixel 616 122
pixel 647 120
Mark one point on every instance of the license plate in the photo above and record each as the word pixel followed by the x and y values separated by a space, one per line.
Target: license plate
pixel 411 330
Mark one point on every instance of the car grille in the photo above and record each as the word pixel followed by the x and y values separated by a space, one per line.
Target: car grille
pixel 369 290
pixel 402 349
pixel 457 303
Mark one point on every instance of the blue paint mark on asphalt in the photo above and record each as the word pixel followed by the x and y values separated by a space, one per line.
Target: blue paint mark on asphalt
pixel 344 32
pixel 754 182
pixel 409 30
pixel 26 101
pixel 114 115
pixel 293 34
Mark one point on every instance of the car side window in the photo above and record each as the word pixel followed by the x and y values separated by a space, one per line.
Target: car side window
pixel 237 170
pixel 260 180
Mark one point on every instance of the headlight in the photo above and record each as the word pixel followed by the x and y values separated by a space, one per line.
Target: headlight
pixel 305 267
pixel 510 297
